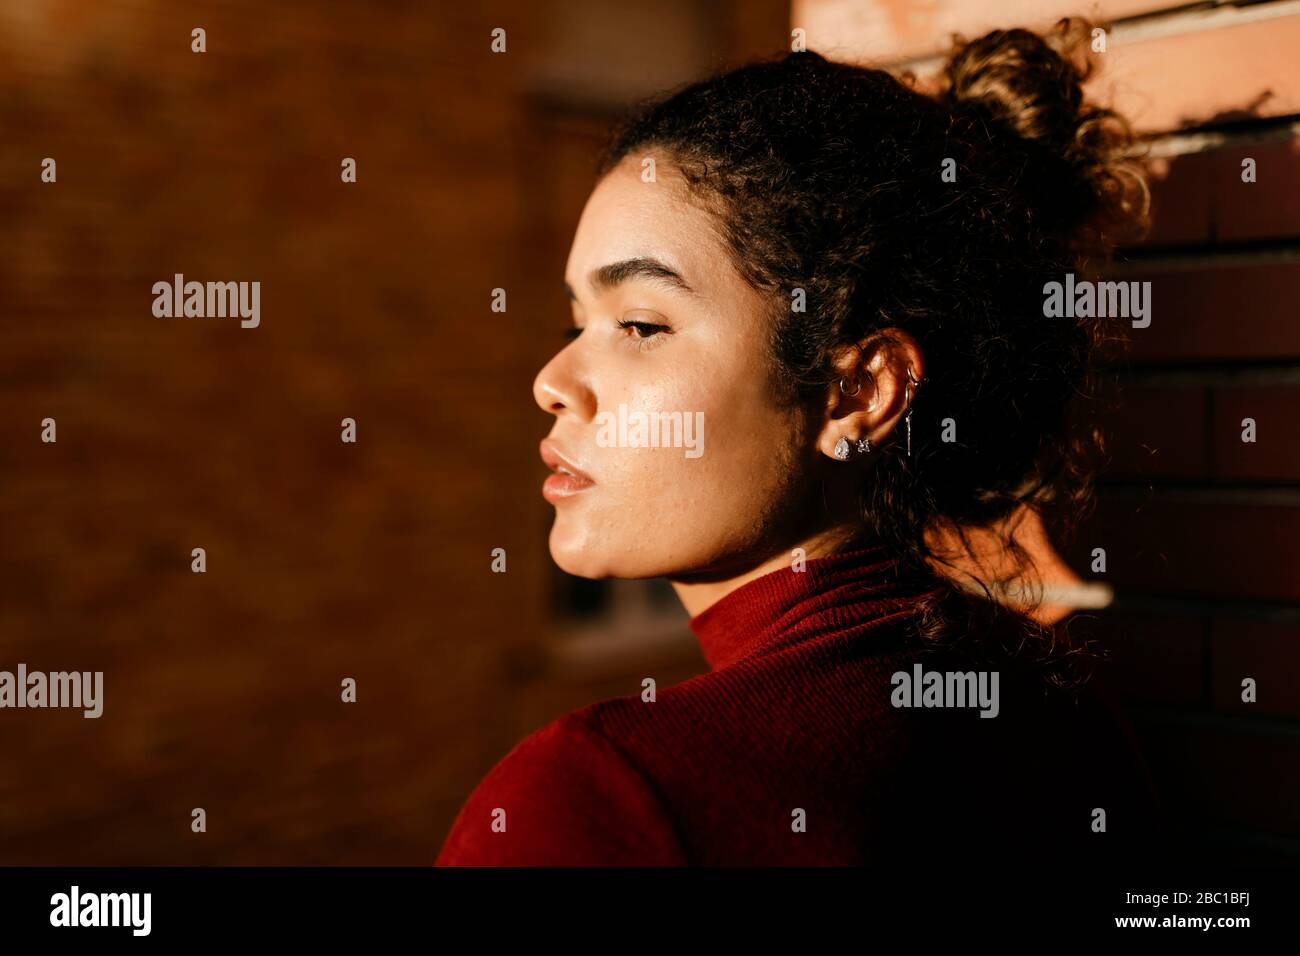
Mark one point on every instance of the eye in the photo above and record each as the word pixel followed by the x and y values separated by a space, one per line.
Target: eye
pixel 644 330
pixel 646 334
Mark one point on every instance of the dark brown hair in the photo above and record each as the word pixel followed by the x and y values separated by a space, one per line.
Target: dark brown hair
pixel 828 177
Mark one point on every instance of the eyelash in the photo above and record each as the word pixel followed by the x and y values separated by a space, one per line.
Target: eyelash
pixel 643 341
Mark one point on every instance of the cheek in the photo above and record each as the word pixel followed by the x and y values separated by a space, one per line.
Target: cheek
pixel 651 484
pixel 658 510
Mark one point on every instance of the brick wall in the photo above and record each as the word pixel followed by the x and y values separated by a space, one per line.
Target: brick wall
pixel 325 560
pixel 1201 530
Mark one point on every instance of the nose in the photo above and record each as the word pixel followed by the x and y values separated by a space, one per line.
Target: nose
pixel 561 387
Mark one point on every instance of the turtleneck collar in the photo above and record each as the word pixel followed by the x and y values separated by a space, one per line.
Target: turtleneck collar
pixel 831 594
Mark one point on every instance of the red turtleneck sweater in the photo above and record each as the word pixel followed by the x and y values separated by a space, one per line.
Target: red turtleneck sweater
pixel 791 751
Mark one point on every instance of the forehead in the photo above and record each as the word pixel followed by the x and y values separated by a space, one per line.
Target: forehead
pixel 627 218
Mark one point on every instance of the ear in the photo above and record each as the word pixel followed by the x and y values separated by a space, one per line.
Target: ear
pixel 872 393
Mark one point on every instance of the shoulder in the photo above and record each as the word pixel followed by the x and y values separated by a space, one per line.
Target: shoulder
pixel 566 795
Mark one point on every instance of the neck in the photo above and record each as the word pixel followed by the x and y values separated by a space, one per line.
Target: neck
pixel 698 592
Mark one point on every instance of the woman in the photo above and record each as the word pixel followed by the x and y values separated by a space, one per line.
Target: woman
pixel 820 293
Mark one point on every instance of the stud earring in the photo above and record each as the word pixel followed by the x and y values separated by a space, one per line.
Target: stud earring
pixel 842 447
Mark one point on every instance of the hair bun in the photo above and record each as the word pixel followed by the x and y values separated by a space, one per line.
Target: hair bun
pixel 1027 90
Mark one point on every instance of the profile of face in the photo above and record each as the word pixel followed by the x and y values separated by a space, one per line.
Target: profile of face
pixel 667 331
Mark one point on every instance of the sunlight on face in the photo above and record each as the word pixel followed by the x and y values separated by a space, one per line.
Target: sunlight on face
pixel 668 332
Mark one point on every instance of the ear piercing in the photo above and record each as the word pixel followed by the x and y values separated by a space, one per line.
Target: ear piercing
pixel 912 380
pixel 841 451
pixel 842 447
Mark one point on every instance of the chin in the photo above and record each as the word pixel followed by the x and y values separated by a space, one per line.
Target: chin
pixel 586 555
pixel 574 553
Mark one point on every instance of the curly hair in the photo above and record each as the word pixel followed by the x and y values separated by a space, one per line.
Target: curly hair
pixel 830 178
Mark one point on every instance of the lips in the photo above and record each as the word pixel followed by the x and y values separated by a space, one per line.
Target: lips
pixel 568 479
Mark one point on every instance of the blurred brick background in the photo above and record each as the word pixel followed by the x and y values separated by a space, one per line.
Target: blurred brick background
pixel 328 560
pixel 325 560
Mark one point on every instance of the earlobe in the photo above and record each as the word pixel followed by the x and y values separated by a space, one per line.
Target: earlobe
pixel 846 446
pixel 843 448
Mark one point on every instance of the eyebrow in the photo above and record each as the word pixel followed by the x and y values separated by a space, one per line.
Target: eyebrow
pixel 643 267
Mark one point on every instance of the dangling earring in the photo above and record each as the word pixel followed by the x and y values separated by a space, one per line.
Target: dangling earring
pixel 907 420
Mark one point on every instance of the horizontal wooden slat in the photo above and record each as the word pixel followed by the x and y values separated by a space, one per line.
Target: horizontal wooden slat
pixel 1194 432
pixel 1275 453
pixel 1268 651
pixel 1158 432
pixel 1182 199
pixel 1266 208
pixel 1193 546
pixel 1222 313
pixel 1201 197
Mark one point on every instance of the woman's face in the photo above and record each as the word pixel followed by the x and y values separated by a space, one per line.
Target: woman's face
pixel 669 340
